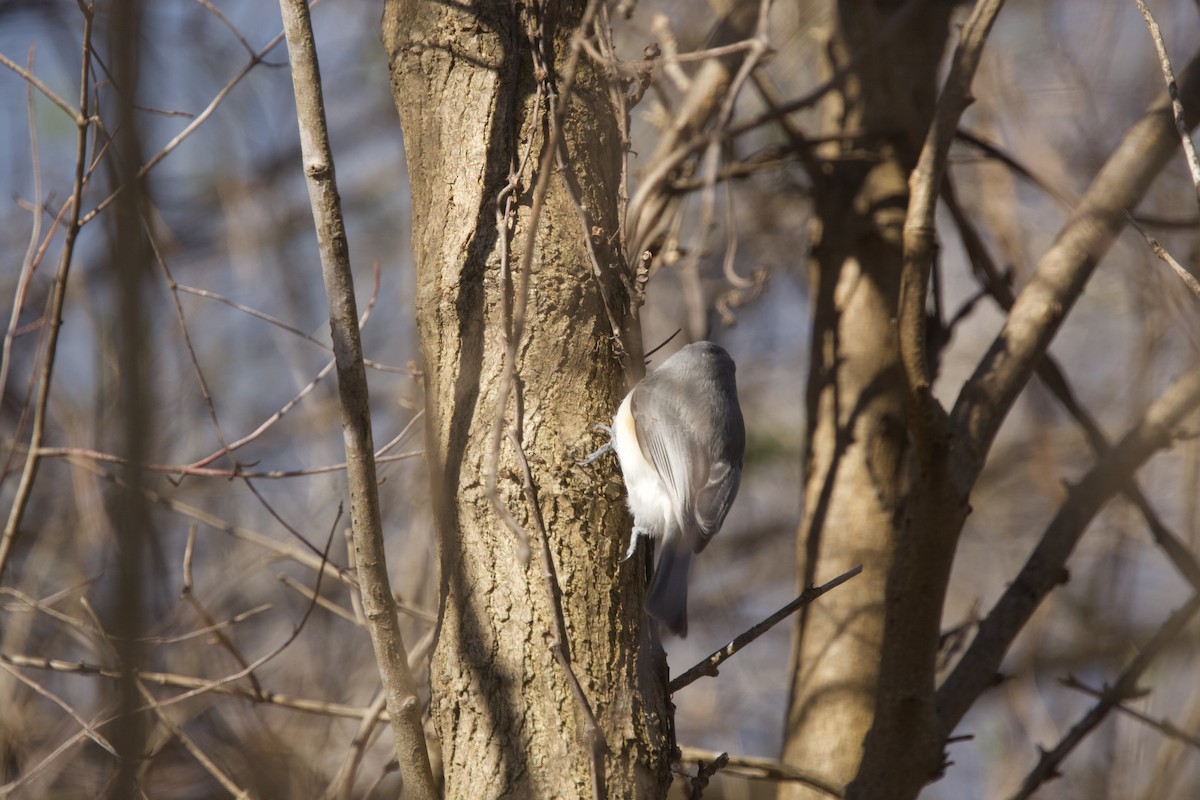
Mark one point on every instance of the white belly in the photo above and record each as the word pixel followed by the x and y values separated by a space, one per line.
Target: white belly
pixel 648 498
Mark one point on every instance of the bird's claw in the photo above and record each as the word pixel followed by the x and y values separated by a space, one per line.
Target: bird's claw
pixel 636 536
pixel 604 448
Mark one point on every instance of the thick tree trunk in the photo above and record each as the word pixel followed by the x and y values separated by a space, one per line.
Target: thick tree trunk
pixel 464 83
pixel 857 460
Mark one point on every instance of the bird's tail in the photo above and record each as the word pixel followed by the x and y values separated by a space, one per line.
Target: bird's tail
pixel 667 600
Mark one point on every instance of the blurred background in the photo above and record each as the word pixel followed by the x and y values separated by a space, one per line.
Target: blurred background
pixel 233 562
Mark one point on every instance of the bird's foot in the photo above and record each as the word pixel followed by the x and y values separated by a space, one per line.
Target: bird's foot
pixel 604 448
pixel 638 534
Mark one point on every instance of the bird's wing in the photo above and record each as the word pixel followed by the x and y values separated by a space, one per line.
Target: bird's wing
pixel 669 448
pixel 700 489
pixel 713 500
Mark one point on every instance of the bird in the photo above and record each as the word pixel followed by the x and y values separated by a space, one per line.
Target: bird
pixel 680 440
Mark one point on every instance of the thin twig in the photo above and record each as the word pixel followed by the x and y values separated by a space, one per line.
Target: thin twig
pixel 756 51
pixel 311 559
pixel 278 415
pixel 177 681
pixel 216 12
pixel 210 627
pixel 1189 280
pixel 78 116
pixel 515 303
pixel 342 786
pixel 250 668
pixel 710 665
pixel 255 59
pixel 653 210
pixel 207 472
pixel 116 649
pixel 851 67
pixel 31 260
pixel 1189 148
pixel 89 728
pixel 705 771
pixel 192 747
pixel 1049 762
pixel 505 222
pixel 1062 273
pixel 181 318
pixel 323 602
pixel 265 317
pixel 1163 726
pixel 701 141
pixel 58 300
pixel 30 773
pixel 764 769
pixel 221 639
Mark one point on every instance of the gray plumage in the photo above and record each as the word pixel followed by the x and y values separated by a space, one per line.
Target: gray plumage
pixel 689 430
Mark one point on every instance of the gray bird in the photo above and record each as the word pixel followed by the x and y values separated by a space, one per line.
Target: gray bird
pixel 680 439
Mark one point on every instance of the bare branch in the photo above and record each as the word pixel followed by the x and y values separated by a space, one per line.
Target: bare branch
pixel 312 558
pixel 708 667
pixel 1189 148
pixel 267 423
pixel 234 472
pixel 1048 764
pixel 78 116
pixel 200 119
pixel 764 769
pixel 178 681
pixel 342 786
pixel 1053 378
pixel 58 300
pixel 927 419
pixel 1061 275
pixel 1163 726
pixel 192 747
pixel 89 728
pixel 1189 280
pixel 977 670
pixel 32 253
pixel 402 703
pixel 254 312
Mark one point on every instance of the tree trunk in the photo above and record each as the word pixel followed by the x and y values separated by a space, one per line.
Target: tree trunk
pixel 464 82
pixel 856 473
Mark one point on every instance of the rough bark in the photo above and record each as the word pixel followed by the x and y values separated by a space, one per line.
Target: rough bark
pixel 856 479
pixel 509 726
